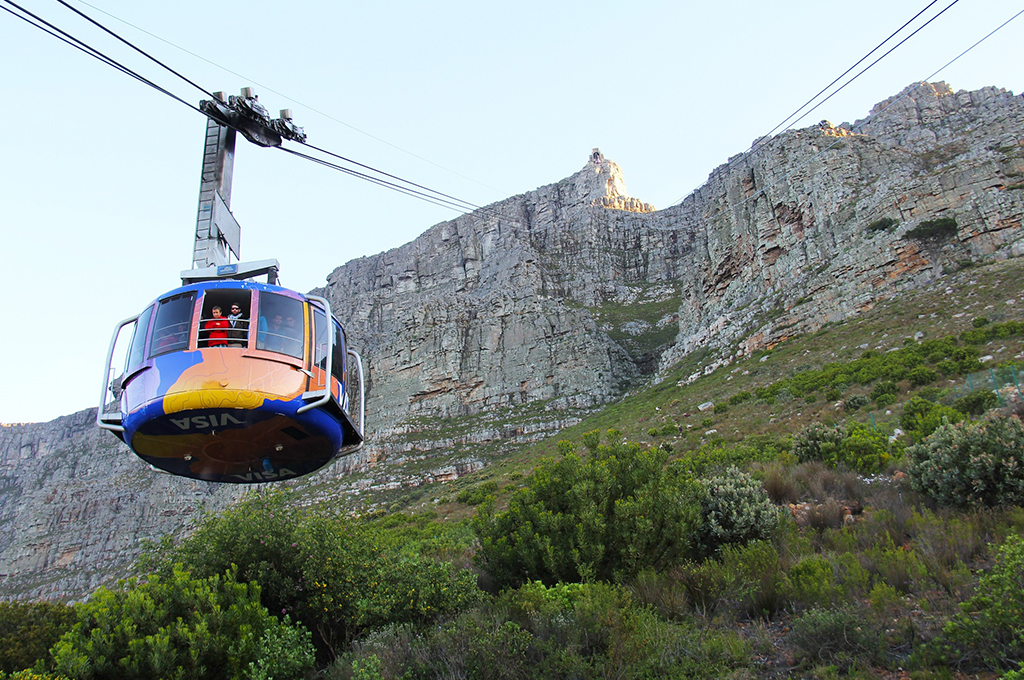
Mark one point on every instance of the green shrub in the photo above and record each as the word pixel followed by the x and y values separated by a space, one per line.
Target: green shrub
pixel 898 567
pixel 865 450
pixel 475 495
pixel 760 585
pixel 922 375
pixel 976 403
pixel 592 630
pixel 971 464
pixel 859 447
pixel 851 575
pixel 736 510
pixel 818 442
pixel 182 627
pixel 28 630
pixel 883 387
pixel 740 397
pixel 721 407
pixel 715 457
pixel 616 513
pixel 707 584
pixel 989 631
pixel 922 417
pixel 979 321
pixel 336 576
pixel 885 400
pixel 883 224
pixel 934 230
pixel 985 332
pixel 855 402
pixel 814 582
pixel 839 636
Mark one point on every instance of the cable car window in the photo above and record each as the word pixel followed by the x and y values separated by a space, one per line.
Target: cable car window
pixel 280 326
pixel 320 346
pixel 234 311
pixel 173 318
pixel 338 357
pixel 137 349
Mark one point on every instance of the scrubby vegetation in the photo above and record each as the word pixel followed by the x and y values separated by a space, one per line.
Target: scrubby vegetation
pixel 934 230
pixel 855 512
pixel 882 224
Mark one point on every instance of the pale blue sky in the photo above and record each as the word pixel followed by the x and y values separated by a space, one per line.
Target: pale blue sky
pixel 99 174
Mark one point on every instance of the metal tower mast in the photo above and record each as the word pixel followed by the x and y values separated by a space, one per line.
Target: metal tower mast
pixel 218 234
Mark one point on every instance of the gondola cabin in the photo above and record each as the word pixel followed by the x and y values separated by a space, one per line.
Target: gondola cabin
pixel 235 381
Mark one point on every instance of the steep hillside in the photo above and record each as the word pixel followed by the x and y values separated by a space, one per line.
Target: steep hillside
pixel 506 326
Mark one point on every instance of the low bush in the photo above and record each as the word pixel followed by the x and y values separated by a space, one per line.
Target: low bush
pixel 859 447
pixel 836 636
pixel 28 630
pixel 922 417
pixel 883 387
pixel 760 586
pixel 934 230
pixel 182 627
pixel 475 495
pixel 922 375
pixel 976 403
pixel 589 630
pixel 855 402
pixel 979 464
pixel 336 576
pixel 740 397
pixel 706 583
pixel 736 510
pixel 780 485
pixel 609 516
pixel 989 630
pixel 882 224
pixel 814 582
pixel 899 567
pixel 986 332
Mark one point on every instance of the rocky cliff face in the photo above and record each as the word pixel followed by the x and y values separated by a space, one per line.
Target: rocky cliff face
pixel 511 323
pixel 566 294
pixel 76 506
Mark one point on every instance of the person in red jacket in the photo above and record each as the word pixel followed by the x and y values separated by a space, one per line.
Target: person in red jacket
pixel 217 329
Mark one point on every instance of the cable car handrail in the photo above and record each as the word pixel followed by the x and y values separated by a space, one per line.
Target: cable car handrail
pixel 362 391
pixel 330 354
pixel 101 409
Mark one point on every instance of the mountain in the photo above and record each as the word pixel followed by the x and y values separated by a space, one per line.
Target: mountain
pixel 512 323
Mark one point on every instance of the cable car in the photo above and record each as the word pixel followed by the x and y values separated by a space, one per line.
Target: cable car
pixel 265 399
pixel 227 379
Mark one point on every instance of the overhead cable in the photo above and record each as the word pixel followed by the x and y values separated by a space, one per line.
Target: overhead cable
pixel 66 37
pixel 763 142
pixel 136 48
pixel 291 99
pixel 435 197
pixel 841 75
pixel 892 103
